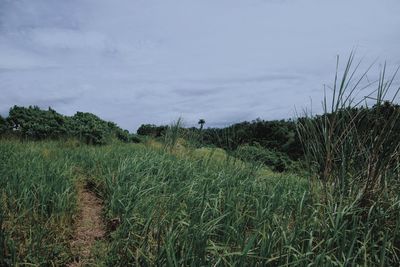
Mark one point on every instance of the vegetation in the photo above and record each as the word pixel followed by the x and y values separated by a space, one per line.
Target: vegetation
pixel 179 199
pixel 36 124
pixel 182 210
pixel 355 150
pixel 280 136
pixel 277 161
pixel 201 123
pixel 152 130
pixel 37 203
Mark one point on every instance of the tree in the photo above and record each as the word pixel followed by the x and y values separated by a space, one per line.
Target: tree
pixel 152 130
pixel 201 122
pixel 92 129
pixel 32 122
pixel 35 123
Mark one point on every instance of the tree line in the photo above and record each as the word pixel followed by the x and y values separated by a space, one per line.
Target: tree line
pixel 37 124
pixel 277 143
pixel 278 135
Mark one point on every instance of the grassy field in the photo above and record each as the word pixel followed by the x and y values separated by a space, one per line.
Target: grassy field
pixel 37 203
pixel 169 208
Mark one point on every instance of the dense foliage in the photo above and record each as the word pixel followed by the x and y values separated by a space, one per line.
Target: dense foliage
pixel 37 124
pixel 277 143
pixel 277 161
pixel 152 130
pixel 274 135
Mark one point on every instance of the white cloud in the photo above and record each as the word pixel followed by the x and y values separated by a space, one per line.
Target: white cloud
pixel 150 61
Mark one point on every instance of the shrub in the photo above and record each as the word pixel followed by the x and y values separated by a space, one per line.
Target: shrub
pixel 152 130
pixel 133 138
pixel 277 161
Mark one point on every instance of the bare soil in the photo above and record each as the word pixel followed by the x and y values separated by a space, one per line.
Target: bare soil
pixel 89 227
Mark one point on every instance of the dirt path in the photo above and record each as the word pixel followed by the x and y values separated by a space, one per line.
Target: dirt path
pixel 89 226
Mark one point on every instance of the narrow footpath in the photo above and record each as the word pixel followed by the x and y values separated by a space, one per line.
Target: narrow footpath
pixel 89 226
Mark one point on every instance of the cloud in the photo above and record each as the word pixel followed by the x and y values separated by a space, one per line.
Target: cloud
pixel 149 61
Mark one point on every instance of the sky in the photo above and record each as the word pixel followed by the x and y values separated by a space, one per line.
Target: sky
pixel 152 61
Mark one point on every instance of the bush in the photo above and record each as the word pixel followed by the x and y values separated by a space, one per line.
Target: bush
pixel 133 138
pixel 277 161
pixel 152 130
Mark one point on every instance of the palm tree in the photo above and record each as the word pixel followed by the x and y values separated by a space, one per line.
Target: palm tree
pixel 201 122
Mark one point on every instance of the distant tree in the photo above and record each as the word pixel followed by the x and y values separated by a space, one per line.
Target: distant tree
pixel 34 123
pixel 201 122
pixel 274 135
pixel 152 130
pixel 91 129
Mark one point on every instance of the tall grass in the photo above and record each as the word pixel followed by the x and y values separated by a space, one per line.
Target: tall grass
pixel 180 211
pixel 172 134
pixel 166 209
pixel 352 151
pixel 37 202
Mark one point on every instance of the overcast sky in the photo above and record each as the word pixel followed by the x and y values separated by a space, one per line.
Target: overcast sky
pixel 148 61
